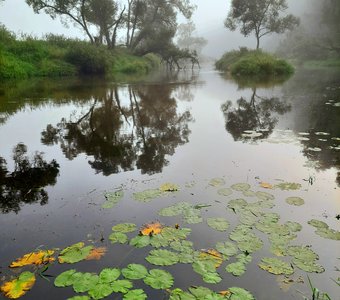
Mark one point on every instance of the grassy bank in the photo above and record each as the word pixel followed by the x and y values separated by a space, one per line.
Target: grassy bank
pixel 59 56
pixel 253 63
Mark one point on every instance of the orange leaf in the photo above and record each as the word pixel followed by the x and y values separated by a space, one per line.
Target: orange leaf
pixel 18 287
pixel 225 293
pixel 96 253
pixel 151 228
pixel 34 258
pixel 266 185
pixel 213 255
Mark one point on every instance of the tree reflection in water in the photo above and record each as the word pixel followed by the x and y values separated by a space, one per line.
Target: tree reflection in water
pixel 122 135
pixel 25 184
pixel 255 115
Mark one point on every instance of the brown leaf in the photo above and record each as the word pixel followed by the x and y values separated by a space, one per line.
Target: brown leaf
pixel 34 258
pixel 151 228
pixel 18 287
pixel 96 253
pixel 266 185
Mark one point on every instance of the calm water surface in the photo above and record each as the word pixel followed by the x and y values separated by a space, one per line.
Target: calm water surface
pixel 65 143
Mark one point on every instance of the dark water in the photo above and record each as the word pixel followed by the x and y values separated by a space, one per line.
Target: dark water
pixel 64 143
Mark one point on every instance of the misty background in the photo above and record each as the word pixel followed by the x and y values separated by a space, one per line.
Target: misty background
pixel 209 18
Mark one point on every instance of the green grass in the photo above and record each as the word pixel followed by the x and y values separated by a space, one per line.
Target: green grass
pixel 56 55
pixel 254 64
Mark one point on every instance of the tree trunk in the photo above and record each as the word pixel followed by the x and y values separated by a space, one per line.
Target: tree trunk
pixel 257 42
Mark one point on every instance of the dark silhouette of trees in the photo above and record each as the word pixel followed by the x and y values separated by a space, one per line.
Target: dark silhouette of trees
pixel 26 183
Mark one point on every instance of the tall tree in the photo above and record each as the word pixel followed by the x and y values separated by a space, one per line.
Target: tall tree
pixel 261 17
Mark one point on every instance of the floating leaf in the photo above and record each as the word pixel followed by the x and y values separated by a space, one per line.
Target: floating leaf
pixel 159 279
pixel 79 298
pixel 178 294
pixel 237 205
pixel 250 243
pixel 18 287
pixel 200 292
pixel 317 224
pixel 286 186
pixel 147 195
pixel 227 248
pixel 100 290
pixel 85 282
pixel 74 253
pixel 109 275
pixel 264 196
pixel 169 187
pixel 219 224
pixel 182 246
pixel 151 228
pixel 112 199
pixel 211 255
pixel 302 253
pixel 121 286
pixel 328 233
pixel 134 271
pixel 266 185
pixel 34 258
pixel 96 253
pixel 124 227
pixel 162 257
pixel 217 182
pixel 118 237
pixel 66 278
pixel 192 216
pixel 293 226
pixel 137 294
pixel 244 258
pixel 225 192
pixel 276 266
pixel 237 269
pixel 212 277
pixel 240 294
pixel 249 193
pixel 297 201
pixel 204 266
pixel 175 210
pixel 308 265
pixel 140 241
pixel 241 187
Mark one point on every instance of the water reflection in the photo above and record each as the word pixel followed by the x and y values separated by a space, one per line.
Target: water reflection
pixel 124 128
pixel 256 114
pixel 26 183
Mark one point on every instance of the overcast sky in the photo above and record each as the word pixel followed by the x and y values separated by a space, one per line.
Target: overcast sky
pixel 17 16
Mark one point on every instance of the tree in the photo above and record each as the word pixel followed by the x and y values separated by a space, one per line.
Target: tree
pixel 262 17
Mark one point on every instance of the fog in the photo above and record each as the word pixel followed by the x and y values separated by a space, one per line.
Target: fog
pixel 209 18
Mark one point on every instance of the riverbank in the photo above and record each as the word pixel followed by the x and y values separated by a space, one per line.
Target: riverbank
pixel 56 56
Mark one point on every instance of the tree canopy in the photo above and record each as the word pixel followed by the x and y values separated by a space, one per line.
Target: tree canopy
pixel 261 17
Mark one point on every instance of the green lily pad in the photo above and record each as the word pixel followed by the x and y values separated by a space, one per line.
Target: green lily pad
pixel 204 266
pixel 240 233
pixel 237 205
pixel 317 224
pixel 225 192
pixel 293 226
pixel 65 279
pixel 308 265
pixel 159 279
pixel 279 243
pixel 74 253
pixel 247 218
pixel 169 187
pixel 147 195
pixel 85 282
pixel 211 277
pixel 121 286
pixel 140 241
pixel 113 198
pixel 297 201
pixel 124 227
pixel 237 268
pixel 328 233
pixel 249 193
pixel 178 294
pixel 264 196
pixel 244 258
pixel 109 275
pixel 118 237
pixel 286 186
pixel 137 294
pixel 192 216
pixel 134 271
pixel 182 246
pixel 219 224
pixel 250 243
pixel 175 210
pixel 79 298
pixel 162 257
pixel 302 253
pixel 200 292
pixel 276 266
pixel 227 248
pixel 241 187
pixel 216 182
pixel 186 258
pixel 100 290
pixel 239 294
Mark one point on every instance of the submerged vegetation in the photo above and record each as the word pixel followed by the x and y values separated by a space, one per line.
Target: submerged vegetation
pixel 254 64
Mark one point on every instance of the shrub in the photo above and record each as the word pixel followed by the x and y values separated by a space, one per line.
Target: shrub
pixel 89 59
pixel 153 60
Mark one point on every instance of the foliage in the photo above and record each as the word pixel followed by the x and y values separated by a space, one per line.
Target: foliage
pixel 18 287
pixel 159 279
pixel 74 253
pixel 261 17
pixel 36 258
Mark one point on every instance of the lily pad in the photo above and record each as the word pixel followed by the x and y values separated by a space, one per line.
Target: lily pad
pixel 109 275
pixel 237 268
pixel 276 266
pixel 118 237
pixel 162 257
pixel 286 186
pixel 239 294
pixel 237 205
pixel 169 187
pixel 241 187
pixel 204 266
pixel 293 226
pixel 219 224
pixel 113 198
pixel 211 277
pixel 140 241
pixel 121 286
pixel 264 196
pixel 85 282
pixel 317 224
pixel 308 265
pixel 227 248
pixel 100 290
pixel 134 271
pixel 79 298
pixel 74 253
pixel 65 279
pixel 159 279
pixel 124 227
pixel 328 233
pixel 18 287
pixel 147 195
pixel 175 210
pixel 297 201
pixel 217 182
pixel 137 294
pixel 225 192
